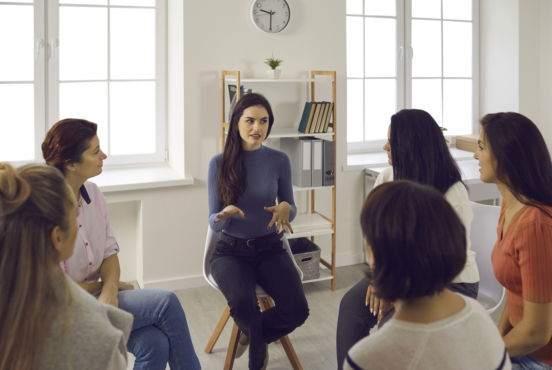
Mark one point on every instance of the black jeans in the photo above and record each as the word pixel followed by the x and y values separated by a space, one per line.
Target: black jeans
pixel 355 320
pixel 237 268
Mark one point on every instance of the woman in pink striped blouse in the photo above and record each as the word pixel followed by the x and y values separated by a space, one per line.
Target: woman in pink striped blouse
pixel 160 332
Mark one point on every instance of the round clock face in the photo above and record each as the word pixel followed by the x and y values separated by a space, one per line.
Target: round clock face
pixel 270 16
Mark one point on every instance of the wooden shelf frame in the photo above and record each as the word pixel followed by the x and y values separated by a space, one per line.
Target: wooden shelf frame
pixel 235 77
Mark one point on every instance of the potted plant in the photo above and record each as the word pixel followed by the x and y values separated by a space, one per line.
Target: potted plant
pixel 273 63
pixel 444 129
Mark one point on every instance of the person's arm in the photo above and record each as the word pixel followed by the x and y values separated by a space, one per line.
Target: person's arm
pixel 110 272
pixel 504 325
pixel 285 187
pixel 215 205
pixel 532 332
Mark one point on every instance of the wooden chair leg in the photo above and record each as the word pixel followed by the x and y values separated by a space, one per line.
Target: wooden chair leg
pixel 218 330
pixel 232 347
pixel 267 303
pixel 290 352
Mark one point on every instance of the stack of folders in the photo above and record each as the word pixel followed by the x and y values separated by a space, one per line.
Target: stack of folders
pixel 316 117
pixel 312 161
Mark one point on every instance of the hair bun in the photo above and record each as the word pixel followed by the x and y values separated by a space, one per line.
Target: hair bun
pixel 14 190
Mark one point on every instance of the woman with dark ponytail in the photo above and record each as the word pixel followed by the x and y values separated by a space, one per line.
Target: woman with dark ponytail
pixel 243 183
pixel 513 155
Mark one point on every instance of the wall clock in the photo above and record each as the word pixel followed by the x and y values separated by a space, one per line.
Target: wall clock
pixel 270 16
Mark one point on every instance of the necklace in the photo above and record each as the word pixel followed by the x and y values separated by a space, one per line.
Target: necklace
pixel 512 206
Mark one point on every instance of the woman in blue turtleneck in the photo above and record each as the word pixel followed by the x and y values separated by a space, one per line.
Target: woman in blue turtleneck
pixel 243 183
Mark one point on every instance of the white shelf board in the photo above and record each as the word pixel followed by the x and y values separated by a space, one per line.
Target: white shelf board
pixel 307 234
pixel 325 274
pixel 318 224
pixel 297 188
pixel 266 80
pixel 277 133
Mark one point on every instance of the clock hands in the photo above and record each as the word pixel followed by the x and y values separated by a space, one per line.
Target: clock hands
pixel 270 13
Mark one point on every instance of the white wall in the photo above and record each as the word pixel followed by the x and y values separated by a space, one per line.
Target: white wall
pixel 218 35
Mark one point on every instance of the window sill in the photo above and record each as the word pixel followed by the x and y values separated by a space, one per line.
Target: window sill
pixel 358 162
pixel 135 178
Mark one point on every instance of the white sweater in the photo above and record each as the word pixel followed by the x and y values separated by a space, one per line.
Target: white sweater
pixel 457 196
pixel 466 340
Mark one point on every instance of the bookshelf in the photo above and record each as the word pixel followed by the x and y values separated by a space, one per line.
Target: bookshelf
pixel 314 223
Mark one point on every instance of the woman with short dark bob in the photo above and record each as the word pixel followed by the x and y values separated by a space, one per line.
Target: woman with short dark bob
pixel 47 321
pixel 417 151
pixel 160 332
pixel 415 252
pixel 243 183
pixel 513 155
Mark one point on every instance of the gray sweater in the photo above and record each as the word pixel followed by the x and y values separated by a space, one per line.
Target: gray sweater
pixel 96 337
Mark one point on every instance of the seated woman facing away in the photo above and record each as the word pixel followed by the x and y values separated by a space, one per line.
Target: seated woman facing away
pixel 47 321
pixel 417 152
pixel 416 245
pixel 160 331
pixel 513 155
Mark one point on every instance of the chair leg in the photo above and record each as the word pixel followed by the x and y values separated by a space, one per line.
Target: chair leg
pixel 290 352
pixel 232 347
pixel 218 330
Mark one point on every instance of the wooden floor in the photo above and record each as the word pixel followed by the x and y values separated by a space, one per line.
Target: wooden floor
pixel 314 342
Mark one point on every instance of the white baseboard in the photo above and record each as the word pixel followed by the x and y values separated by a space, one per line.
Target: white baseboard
pixel 199 281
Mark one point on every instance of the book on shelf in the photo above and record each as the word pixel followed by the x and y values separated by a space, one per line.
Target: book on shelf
pixel 316 117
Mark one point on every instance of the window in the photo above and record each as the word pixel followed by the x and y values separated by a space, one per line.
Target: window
pixel 101 60
pixel 410 54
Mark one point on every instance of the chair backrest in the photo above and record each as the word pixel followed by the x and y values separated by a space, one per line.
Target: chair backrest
pixel 211 242
pixel 483 239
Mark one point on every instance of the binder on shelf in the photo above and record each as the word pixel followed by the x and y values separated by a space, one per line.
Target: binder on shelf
pixel 328 116
pixel 307 115
pixel 316 117
pixel 329 163
pixel 299 152
pixel 317 162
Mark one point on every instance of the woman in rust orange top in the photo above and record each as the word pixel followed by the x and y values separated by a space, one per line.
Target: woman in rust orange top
pixel 513 155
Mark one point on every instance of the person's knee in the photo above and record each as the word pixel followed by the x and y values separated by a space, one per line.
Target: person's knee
pixel 149 344
pixel 243 307
pixel 295 313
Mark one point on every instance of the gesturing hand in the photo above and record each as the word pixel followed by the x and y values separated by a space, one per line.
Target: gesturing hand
pixel 229 212
pixel 109 296
pixel 280 216
pixel 378 306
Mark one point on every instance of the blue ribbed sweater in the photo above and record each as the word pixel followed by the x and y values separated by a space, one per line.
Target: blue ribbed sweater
pixel 268 177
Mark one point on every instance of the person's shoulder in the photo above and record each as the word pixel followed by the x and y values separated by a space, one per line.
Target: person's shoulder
pixel 215 160
pixel 277 155
pixel 534 216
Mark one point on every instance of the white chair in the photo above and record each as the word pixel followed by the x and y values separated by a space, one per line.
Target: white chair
pixel 483 239
pixel 264 301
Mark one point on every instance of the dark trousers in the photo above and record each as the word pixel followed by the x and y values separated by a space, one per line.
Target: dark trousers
pixel 355 320
pixel 237 268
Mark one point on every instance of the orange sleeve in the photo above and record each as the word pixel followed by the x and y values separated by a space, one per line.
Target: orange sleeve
pixel 535 261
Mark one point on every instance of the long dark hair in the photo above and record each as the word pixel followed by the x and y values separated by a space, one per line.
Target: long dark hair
pixel 232 171
pixel 419 151
pixel 520 156
pixel 66 141
pixel 419 248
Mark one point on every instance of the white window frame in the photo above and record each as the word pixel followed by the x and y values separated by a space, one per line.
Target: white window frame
pixel 404 69
pixel 46 79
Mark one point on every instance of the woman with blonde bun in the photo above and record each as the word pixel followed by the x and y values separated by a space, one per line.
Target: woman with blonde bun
pixel 47 320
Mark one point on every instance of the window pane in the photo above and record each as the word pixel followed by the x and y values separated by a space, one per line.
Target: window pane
pixel 132 43
pixel 458 107
pixel 426 42
pixel 457 9
pixel 85 2
pixel 457 44
pixel 355 104
pixel 381 46
pixel 380 104
pixel 355 61
pixel 426 9
pixel 86 100
pixel 16 122
pixel 380 7
pixel 83 43
pixel 426 95
pixel 354 7
pixel 133 2
pixel 132 110
pixel 17 43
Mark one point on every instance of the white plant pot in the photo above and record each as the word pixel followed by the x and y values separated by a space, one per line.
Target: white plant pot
pixel 273 73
